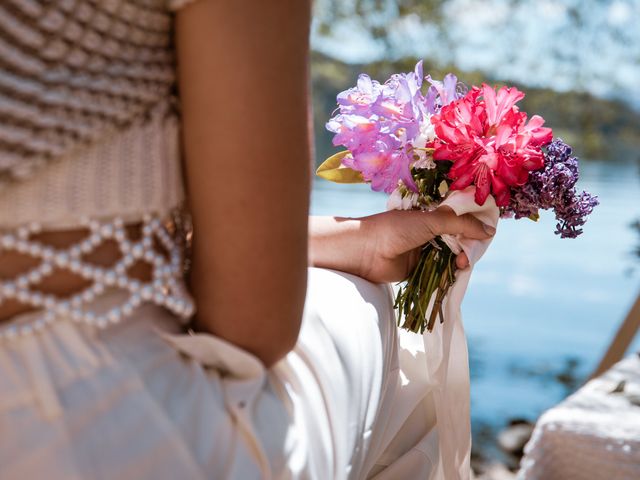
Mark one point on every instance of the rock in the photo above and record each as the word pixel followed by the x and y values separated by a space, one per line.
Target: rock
pixel 496 471
pixel 634 400
pixel 513 438
pixel 619 387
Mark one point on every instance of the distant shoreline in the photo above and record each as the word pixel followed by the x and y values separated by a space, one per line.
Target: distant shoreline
pixel 597 128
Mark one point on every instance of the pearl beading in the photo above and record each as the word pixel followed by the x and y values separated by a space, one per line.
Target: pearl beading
pixel 165 287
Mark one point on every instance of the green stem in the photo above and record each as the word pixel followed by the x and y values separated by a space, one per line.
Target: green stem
pixel 433 275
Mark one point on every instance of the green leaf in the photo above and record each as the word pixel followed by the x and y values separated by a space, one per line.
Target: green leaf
pixel 333 170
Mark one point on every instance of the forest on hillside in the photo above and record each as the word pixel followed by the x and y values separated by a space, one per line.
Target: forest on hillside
pixel 599 129
pixel 578 61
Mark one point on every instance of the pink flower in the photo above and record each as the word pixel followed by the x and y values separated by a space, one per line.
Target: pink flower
pixel 383 165
pixel 378 123
pixel 355 132
pixel 359 99
pixel 489 142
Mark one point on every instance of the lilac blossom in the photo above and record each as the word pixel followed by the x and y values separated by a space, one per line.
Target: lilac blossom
pixel 553 188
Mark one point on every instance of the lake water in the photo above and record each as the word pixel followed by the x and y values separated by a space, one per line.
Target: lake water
pixel 538 309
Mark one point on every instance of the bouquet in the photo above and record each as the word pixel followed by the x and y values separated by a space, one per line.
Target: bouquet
pixel 419 146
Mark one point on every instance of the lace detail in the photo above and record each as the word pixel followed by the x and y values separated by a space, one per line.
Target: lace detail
pixel 75 71
pixel 131 173
pixel 156 247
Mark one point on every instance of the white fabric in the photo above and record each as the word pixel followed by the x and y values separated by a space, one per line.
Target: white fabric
pixel 124 403
pixel 447 363
pixel 593 435
pixel 76 71
pixel 127 174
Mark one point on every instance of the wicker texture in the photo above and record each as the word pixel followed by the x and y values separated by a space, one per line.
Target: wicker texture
pixel 73 72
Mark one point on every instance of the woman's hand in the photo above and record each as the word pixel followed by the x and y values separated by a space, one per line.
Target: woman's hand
pixel 385 247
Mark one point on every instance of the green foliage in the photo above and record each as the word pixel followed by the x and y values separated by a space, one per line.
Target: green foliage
pixel 376 16
pixel 333 170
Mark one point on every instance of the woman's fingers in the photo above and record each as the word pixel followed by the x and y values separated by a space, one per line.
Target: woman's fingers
pixel 444 220
pixel 462 261
pixel 412 229
pixel 399 231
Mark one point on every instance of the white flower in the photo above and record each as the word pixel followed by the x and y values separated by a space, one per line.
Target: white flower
pixel 425 161
pixel 410 201
pixel 394 202
pixel 426 134
pixel 398 201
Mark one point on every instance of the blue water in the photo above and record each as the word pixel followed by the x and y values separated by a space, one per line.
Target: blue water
pixel 536 300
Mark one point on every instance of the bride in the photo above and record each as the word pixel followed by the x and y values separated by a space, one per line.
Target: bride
pixel 116 119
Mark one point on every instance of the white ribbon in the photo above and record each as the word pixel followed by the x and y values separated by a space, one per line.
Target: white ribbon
pixel 446 349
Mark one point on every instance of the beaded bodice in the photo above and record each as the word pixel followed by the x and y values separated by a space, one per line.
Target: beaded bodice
pixel 155 246
pixel 89 138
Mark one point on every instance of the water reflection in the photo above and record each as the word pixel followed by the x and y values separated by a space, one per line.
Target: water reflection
pixel 539 311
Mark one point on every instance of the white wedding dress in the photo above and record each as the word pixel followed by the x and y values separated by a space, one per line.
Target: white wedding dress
pixel 122 402
pixel 107 384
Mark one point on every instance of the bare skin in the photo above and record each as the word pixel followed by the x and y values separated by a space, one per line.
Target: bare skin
pixel 244 95
pixel 243 78
pixel 243 86
pixel 385 247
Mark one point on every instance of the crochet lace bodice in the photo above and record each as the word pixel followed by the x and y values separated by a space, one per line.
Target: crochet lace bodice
pixel 80 79
pixel 89 139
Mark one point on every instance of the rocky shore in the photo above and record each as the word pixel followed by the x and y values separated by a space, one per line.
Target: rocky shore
pixel 510 441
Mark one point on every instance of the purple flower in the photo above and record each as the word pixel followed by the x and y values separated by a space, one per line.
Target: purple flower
pixel 355 132
pixel 442 93
pixel 383 166
pixel 553 188
pixel 359 99
pixel 573 214
pixel 381 124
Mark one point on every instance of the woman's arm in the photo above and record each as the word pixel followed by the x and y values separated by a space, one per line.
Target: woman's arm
pixel 385 247
pixel 243 91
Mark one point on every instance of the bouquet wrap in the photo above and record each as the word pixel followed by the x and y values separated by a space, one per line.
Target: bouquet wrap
pixel 474 151
pixel 446 349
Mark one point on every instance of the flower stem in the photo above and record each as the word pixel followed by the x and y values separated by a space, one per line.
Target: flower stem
pixel 426 286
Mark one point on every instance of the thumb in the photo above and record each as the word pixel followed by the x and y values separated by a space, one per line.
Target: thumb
pixel 444 220
pixel 417 227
